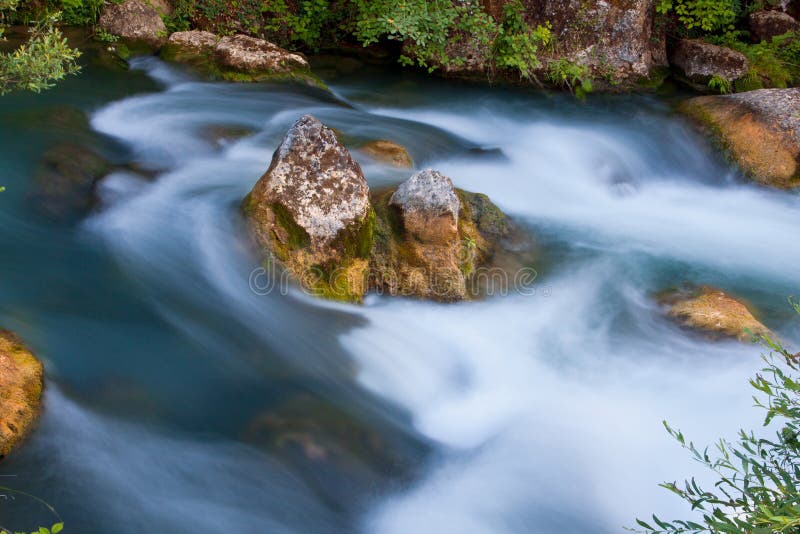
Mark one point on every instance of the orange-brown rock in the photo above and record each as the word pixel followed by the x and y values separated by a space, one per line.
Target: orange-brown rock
pixel 388 152
pixel 711 310
pixel 759 129
pixel 21 383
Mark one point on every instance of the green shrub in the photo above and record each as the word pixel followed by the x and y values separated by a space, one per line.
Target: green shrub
pixel 39 62
pixel 573 76
pixel 80 12
pixel 517 46
pixel 757 488
pixel 705 15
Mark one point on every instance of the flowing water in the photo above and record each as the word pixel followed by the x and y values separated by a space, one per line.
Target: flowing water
pixel 181 400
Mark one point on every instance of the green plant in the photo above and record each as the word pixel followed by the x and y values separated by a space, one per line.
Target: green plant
pixel 39 62
pixel 574 76
pixel 105 37
pixel 705 15
pixel 79 12
pixel 722 85
pixel 517 46
pixel 758 478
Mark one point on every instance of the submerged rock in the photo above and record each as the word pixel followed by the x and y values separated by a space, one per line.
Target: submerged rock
pixel 66 178
pixel 238 58
pixel 764 25
pixel 311 209
pixel 332 449
pixel 388 152
pixel 138 23
pixel 698 62
pixel 711 310
pixel 21 383
pixel 759 129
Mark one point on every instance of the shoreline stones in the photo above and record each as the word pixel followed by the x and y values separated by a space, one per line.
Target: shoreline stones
pixel 713 311
pixel 237 58
pixel 313 211
pixel 759 129
pixel 21 384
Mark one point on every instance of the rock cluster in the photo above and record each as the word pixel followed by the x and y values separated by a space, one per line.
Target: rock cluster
pixel 236 58
pixel 312 210
pixel 759 129
pixel 21 383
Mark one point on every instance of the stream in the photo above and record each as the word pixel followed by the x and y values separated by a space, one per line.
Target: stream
pixel 182 399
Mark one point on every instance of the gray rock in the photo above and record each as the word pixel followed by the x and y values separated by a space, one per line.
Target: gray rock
pixel 429 206
pixel 248 54
pixel 195 41
pixel 135 21
pixel 311 209
pixel 764 25
pixel 699 61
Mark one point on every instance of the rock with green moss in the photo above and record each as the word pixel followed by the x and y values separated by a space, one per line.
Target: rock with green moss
pixel 21 383
pixel 434 241
pixel 760 130
pixel 237 58
pixel 311 210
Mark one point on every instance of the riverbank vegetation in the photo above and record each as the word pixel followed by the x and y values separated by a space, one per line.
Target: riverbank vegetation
pixel 774 61
pixel 757 476
pixel 42 60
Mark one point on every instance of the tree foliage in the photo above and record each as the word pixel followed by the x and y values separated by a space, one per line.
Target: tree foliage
pixel 38 63
pixel 757 488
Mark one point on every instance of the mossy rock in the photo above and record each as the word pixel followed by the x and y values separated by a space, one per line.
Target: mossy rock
pixel 758 130
pixel 21 385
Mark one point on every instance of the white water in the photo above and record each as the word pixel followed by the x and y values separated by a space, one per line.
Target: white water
pixel 545 411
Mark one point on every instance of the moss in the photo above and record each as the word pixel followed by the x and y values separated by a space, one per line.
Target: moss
pixel 296 237
pixel 655 80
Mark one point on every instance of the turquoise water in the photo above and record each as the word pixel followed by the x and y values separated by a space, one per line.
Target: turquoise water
pixel 180 400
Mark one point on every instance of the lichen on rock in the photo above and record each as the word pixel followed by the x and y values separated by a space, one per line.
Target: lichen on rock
pixel 311 209
pixel 21 383
pixel 759 129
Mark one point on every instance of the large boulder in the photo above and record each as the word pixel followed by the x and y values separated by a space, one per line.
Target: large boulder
pixel 311 209
pixel 714 312
pixel 238 58
pixel 21 383
pixel 136 22
pixel 764 25
pixel 698 62
pixel 66 179
pixel 759 129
